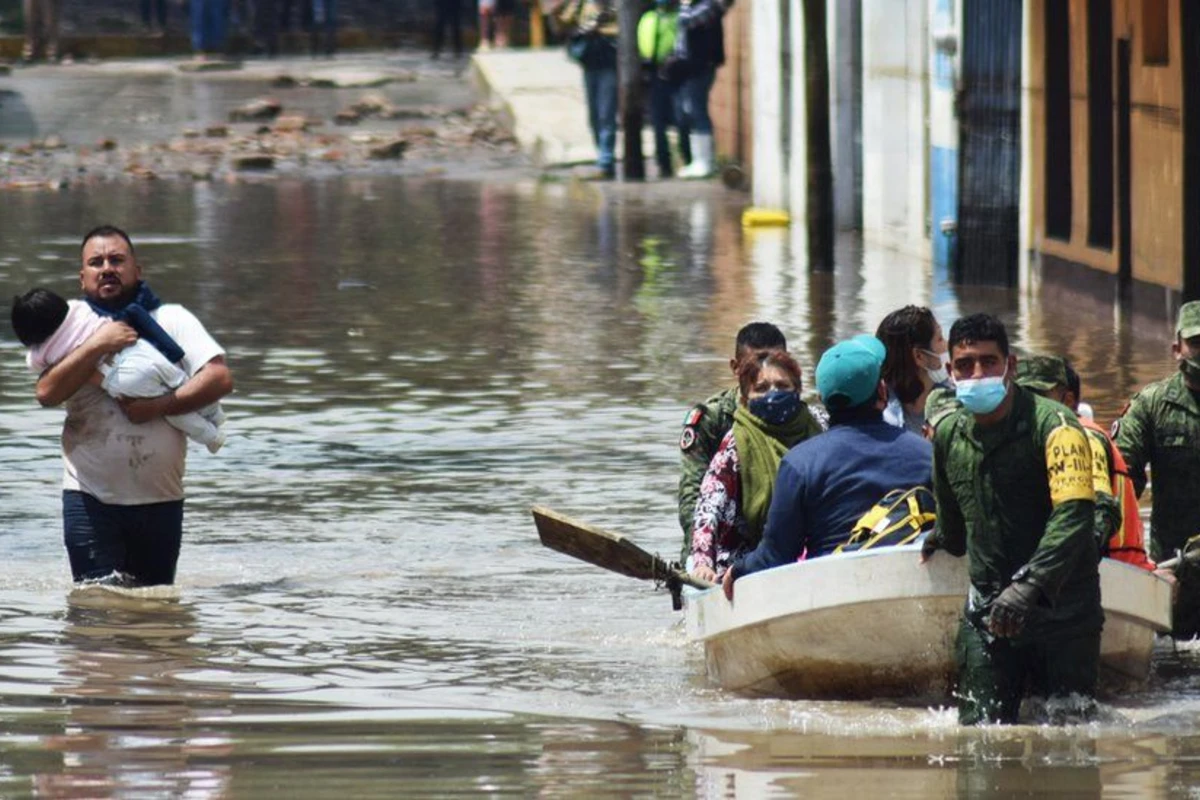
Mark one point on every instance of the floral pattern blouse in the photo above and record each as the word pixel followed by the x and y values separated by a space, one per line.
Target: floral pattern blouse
pixel 719 530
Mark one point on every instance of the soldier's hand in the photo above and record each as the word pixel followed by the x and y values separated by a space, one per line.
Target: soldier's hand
pixel 1012 608
pixel 705 574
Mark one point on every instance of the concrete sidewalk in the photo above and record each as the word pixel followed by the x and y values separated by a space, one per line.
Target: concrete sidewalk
pixel 542 93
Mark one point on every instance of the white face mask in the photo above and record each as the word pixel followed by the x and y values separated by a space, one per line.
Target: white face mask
pixel 939 375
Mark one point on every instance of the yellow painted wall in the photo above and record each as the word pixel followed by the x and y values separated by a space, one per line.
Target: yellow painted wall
pixel 1156 93
pixel 1157 147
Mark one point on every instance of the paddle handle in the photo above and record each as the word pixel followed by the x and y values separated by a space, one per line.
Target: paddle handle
pixel 1192 556
pixel 691 580
pixel 1171 563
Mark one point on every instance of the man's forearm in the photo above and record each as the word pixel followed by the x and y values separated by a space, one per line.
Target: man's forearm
pixel 206 387
pixel 57 384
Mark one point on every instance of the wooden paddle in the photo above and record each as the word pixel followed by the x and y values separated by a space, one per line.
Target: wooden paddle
pixel 606 549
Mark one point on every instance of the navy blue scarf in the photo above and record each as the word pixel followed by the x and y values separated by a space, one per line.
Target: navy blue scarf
pixel 136 313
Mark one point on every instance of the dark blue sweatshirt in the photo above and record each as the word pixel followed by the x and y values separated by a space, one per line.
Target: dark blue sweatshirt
pixel 827 482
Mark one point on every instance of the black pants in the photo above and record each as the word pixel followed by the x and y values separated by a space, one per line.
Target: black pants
pixel 306 14
pixel 125 545
pixel 449 13
pixel 154 10
pixel 266 25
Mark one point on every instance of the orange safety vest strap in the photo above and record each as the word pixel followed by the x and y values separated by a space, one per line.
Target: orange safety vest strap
pixel 1128 543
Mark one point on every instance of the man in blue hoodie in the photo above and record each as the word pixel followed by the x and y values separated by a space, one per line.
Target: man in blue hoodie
pixel 827 482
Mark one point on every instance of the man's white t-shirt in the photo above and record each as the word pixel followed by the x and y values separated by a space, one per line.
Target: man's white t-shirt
pixel 120 463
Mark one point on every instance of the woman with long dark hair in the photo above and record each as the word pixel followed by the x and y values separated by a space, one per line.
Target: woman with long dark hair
pixel 915 364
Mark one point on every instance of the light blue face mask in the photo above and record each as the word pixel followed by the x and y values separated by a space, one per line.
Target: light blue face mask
pixel 982 395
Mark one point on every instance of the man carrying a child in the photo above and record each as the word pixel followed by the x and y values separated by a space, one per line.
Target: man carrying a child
pixel 123 464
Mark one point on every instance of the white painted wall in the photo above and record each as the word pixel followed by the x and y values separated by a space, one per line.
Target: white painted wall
pixel 798 127
pixel 894 119
pixel 770 187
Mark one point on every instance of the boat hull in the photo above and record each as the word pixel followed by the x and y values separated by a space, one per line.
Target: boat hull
pixel 875 624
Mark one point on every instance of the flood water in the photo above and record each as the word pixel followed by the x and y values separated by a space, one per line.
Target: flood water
pixel 363 607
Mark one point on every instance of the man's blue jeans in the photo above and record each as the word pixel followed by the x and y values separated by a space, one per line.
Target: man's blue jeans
pixel 601 87
pixel 209 18
pixel 325 16
pixel 693 97
pixel 128 545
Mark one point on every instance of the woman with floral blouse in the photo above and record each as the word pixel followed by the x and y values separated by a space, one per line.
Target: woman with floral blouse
pixel 736 491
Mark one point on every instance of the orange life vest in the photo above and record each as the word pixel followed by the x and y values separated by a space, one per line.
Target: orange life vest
pixel 1128 543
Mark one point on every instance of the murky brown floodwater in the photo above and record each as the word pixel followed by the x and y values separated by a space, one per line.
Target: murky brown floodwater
pixel 363 607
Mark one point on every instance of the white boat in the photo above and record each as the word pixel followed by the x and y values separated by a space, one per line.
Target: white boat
pixel 875 623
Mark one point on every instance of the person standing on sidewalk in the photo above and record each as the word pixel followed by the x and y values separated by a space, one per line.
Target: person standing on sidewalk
pixel 210 21
pixel 266 26
pixel 41 30
pixel 592 42
pixel 699 50
pixel 323 37
pixel 449 14
pixel 154 15
pixel 656 42
pixel 487 24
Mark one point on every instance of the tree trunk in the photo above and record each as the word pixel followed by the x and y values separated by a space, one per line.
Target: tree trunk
pixel 820 164
pixel 629 72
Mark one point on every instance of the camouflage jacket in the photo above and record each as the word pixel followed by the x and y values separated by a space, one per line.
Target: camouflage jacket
pixel 703 429
pixel 1160 428
pixel 1018 499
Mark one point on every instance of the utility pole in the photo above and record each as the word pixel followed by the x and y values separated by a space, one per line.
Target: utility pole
pixel 629 73
pixel 537 28
pixel 820 160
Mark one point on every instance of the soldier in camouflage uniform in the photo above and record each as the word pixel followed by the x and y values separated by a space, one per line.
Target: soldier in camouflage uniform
pixel 1160 427
pixel 1013 482
pixel 707 423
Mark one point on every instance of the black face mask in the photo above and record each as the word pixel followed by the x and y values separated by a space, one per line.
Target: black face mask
pixel 776 407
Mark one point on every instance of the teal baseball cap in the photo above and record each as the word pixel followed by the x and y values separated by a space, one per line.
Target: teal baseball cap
pixel 848 372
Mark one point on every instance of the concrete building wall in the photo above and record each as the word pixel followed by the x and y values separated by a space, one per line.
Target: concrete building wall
pixel 1156 145
pixel 730 104
pixel 844 35
pixel 895 123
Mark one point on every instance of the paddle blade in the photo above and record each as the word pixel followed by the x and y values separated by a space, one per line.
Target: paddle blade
pixel 606 549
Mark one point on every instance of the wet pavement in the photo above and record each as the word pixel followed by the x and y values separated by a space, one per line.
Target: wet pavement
pixel 63 126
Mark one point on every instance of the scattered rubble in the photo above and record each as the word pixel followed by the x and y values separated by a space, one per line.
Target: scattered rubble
pixel 205 65
pixel 267 140
pixel 388 150
pixel 264 108
pixel 253 163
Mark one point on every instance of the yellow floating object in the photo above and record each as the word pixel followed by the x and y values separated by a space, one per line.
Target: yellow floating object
pixel 764 217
